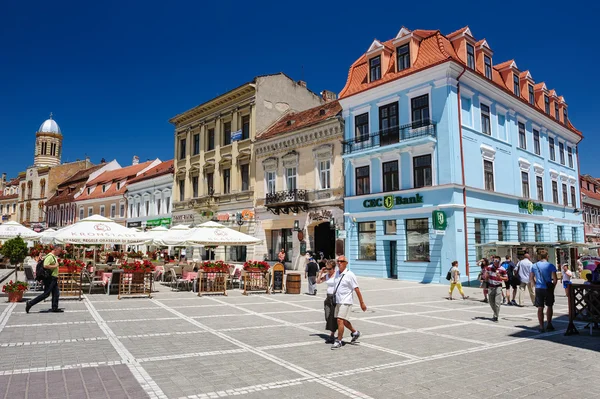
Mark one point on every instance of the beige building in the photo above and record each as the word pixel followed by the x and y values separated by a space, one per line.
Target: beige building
pixel 299 190
pixel 104 195
pixel 9 198
pixel 214 166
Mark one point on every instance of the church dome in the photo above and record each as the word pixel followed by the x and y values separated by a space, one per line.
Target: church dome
pixel 49 126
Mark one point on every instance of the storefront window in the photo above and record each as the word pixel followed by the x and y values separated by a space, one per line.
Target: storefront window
pixel 235 254
pixel 367 241
pixel 479 231
pixel 538 233
pixel 560 233
pixel 389 227
pixel 417 240
pixel 281 239
pixel 574 233
pixel 502 230
pixel 522 232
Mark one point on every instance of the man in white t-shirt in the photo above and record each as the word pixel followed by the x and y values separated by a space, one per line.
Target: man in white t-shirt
pixel 346 285
pixel 524 271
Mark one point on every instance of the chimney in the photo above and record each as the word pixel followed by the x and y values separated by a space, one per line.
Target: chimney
pixel 328 95
pixel 302 83
pixel 136 160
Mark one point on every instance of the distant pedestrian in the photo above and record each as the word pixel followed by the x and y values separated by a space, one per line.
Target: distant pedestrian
pixel 327 275
pixel 50 283
pixel 566 278
pixel 455 281
pixel 495 276
pixel 544 276
pixel 524 271
pixel 345 286
pixel 483 263
pixel 310 273
pixel 281 256
pixel 512 282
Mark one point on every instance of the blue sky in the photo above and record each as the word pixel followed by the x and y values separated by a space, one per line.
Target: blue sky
pixel 114 72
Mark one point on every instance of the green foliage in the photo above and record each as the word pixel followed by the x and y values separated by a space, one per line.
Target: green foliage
pixel 15 249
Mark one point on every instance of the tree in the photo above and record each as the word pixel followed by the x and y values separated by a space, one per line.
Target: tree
pixel 15 249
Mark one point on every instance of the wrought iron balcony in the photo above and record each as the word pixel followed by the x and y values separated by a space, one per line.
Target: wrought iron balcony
pixel 392 135
pixel 287 201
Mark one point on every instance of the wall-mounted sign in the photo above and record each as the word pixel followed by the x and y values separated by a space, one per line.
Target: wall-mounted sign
pixel 389 201
pixel 158 222
pixel 134 224
pixel 236 136
pixel 341 234
pixel 530 206
pixel 185 217
pixel 439 220
pixel 247 215
pixel 223 217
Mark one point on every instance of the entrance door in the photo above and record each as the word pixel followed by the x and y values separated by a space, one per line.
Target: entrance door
pixel 393 261
pixel 325 240
pixel 388 124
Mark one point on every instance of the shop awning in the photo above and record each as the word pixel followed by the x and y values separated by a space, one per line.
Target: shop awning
pixel 539 244
pixel 499 244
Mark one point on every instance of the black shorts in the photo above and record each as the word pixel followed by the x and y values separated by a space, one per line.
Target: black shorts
pixel 511 283
pixel 544 297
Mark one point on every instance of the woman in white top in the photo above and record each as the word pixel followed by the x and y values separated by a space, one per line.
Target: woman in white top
pixel 327 274
pixel 566 278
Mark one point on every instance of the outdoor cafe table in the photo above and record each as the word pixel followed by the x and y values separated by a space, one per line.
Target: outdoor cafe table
pixel 190 276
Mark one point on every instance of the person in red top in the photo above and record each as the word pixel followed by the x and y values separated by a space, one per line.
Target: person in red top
pixel 495 275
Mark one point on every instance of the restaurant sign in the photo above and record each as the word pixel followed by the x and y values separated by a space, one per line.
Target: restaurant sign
pixel 530 206
pixel 389 201
pixel 185 217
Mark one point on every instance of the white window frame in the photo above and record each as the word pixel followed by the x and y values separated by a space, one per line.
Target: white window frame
pixel 81 213
pixel 122 214
pixel 417 92
pixel 113 211
pixel 268 180
pixel 295 176
pixel 102 210
pixel 90 211
pixel 500 110
pixel 466 93
pixel 417 152
pixel 358 164
pixel 486 101
pixel 327 170
pixel 488 154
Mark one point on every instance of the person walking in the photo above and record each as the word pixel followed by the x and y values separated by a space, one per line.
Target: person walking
pixel 566 278
pixel 345 286
pixel 544 277
pixel 455 281
pixel 524 272
pixel 310 273
pixel 50 283
pixel 483 263
pixel 495 275
pixel 512 281
pixel 327 275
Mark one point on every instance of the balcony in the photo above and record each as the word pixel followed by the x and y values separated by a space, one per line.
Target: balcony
pixel 287 201
pixel 393 135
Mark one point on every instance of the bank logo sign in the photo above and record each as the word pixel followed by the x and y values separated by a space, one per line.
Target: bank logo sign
pixel 530 206
pixel 389 201
pixel 440 221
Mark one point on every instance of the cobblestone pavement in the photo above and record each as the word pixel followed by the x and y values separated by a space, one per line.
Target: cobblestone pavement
pixel 415 343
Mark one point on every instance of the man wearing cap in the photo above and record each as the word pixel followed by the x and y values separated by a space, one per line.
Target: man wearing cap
pixel 310 273
pixel 345 285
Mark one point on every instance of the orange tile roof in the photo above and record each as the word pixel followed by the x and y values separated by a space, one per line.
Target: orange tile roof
pixel 590 193
pixel 302 119
pixel 8 196
pixel 120 174
pixel 434 49
pixel 539 86
pixel 161 169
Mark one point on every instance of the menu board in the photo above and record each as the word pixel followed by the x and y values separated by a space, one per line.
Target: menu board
pixel 277 280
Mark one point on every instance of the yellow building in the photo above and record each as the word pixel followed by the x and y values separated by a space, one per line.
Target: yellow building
pixel 214 168
pixel 299 187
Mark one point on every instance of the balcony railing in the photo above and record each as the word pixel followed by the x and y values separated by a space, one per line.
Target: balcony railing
pixel 392 135
pixel 288 201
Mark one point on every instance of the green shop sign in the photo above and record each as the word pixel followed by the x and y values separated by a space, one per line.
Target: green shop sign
pixel 389 201
pixel 530 206
pixel 440 222
pixel 158 222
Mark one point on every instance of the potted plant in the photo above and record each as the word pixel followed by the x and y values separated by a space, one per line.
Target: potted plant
pixel 256 266
pixel 15 290
pixel 215 266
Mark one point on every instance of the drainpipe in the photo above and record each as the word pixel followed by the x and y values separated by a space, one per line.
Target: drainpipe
pixel 462 166
pixel 580 195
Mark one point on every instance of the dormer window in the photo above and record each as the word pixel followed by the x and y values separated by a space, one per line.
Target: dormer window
pixel 403 54
pixel 547 104
pixel 470 56
pixel 556 113
pixel 104 188
pixel 516 88
pixel 118 186
pixel 375 68
pixel 487 66
pixel 565 115
pixel 89 190
pixel 531 95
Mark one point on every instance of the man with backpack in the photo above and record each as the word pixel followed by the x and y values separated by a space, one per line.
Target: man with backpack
pixel 512 281
pixel 48 273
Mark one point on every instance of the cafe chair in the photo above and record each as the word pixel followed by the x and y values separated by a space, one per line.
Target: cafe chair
pixel 113 281
pixel 30 277
pixel 177 281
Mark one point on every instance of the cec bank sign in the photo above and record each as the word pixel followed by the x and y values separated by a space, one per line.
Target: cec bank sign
pixel 389 201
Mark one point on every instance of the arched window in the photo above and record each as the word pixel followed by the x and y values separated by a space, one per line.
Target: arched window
pixel 23 191
pixel 42 188
pixel 29 189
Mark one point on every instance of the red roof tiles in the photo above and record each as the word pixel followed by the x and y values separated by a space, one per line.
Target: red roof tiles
pixel 593 181
pixel 120 174
pixel 298 120
pixel 161 169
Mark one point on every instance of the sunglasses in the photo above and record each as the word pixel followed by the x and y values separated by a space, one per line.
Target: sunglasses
pixel 329 268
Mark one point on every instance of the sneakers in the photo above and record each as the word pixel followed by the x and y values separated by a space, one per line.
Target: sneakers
pixel 27 307
pixel 485 300
pixel 329 340
pixel 514 303
pixel 355 336
pixel 337 344
pixel 495 319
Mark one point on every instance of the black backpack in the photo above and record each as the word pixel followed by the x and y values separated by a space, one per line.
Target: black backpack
pixel 40 272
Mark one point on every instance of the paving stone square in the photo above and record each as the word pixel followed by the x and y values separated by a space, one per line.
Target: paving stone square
pixel 415 343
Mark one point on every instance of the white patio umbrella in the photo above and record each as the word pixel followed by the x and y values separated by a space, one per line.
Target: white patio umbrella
pixel 212 233
pixel 174 237
pixel 13 229
pixel 97 229
pixel 157 232
pixel 47 236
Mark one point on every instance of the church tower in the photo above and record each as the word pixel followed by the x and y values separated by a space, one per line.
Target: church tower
pixel 48 144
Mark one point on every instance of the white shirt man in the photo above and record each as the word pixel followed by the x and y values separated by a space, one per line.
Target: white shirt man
pixel 524 268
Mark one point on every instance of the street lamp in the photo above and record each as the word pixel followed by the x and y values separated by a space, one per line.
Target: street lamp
pixel 332 223
pixel 296 225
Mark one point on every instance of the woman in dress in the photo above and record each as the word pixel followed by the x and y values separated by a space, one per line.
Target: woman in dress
pixel 327 274
pixel 566 278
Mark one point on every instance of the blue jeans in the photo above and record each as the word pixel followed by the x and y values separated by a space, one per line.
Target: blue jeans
pixel 50 287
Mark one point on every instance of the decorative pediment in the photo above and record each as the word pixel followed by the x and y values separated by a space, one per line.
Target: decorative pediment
pixel 375 46
pixel 181 171
pixel 553 174
pixel 538 169
pixel 488 153
pixel 323 152
pixel 270 164
pixel 243 157
pixel 563 177
pixel 290 159
pixel 524 164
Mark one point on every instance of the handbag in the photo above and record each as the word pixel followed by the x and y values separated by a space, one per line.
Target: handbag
pixel 449 274
pixel 333 299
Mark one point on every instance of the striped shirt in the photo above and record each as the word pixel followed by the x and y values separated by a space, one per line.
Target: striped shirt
pixel 495 275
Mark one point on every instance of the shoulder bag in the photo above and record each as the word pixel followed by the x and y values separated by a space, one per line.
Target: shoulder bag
pixel 334 300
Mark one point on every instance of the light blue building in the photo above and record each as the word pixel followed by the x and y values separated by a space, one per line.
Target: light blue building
pixel 448 156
